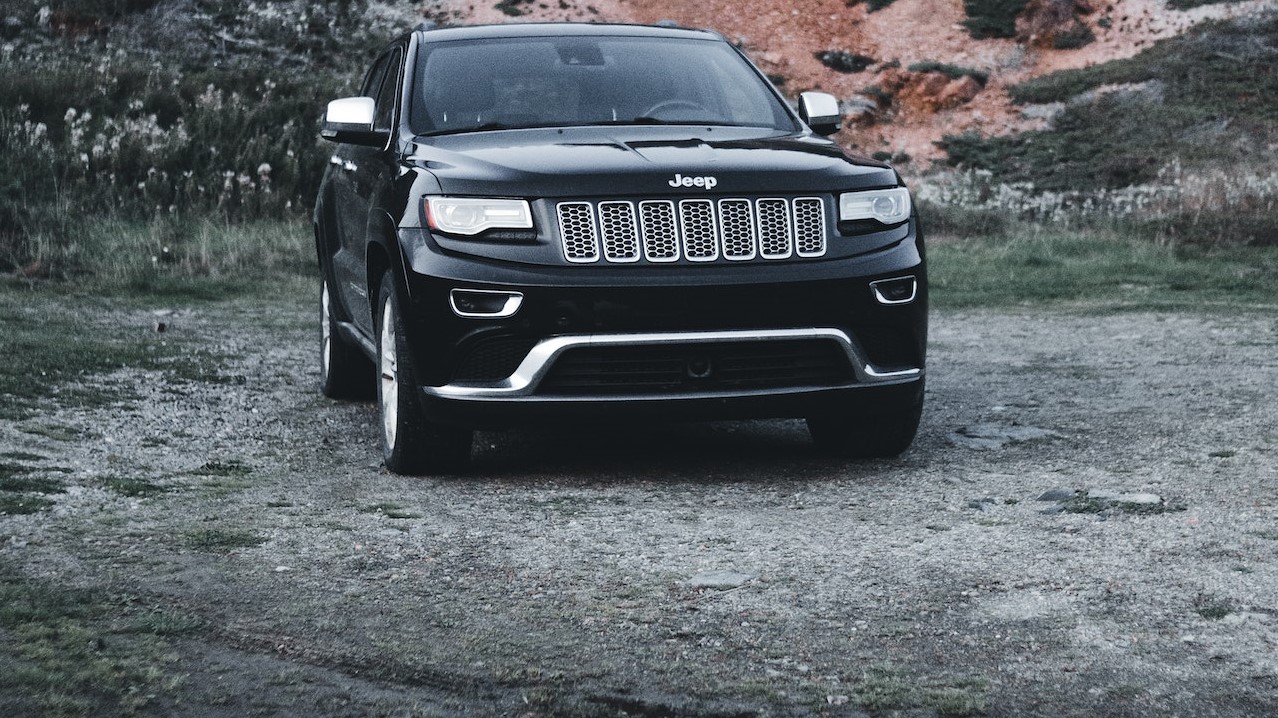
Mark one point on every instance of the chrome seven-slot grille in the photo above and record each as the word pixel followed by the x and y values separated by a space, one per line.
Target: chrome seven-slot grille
pixel 698 230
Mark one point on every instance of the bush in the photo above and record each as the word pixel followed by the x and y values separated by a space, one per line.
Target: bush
pixel 992 18
pixel 134 140
pixel 953 71
pixel 956 221
pixel 873 5
pixel 211 119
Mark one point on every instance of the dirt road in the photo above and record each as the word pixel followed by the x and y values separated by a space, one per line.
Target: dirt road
pixel 1087 525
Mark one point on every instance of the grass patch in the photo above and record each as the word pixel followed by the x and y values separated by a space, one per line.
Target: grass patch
pixel 230 468
pixel 884 688
pixel 992 18
pixel 1032 265
pixel 21 494
pixel 30 484
pixel 390 510
pixel 23 456
pixel 60 343
pixel 221 540
pixel 1213 608
pixel 19 504
pixel 133 487
pixel 65 655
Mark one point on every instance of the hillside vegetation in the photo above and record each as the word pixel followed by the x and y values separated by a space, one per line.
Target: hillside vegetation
pixel 159 125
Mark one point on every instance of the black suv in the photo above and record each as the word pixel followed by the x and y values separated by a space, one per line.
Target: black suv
pixel 570 222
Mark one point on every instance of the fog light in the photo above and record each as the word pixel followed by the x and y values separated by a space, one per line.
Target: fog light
pixel 901 290
pixel 484 304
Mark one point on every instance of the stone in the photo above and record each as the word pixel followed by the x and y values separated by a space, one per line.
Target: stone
pixel 958 92
pixel 841 61
pixel 1057 495
pixel 996 436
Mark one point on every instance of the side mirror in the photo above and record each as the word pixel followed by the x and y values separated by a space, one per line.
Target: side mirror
pixel 350 120
pixel 821 112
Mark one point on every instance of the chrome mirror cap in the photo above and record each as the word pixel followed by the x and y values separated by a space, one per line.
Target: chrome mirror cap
pixel 350 119
pixel 821 111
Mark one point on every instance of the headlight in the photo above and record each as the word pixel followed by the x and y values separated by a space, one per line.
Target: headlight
pixel 468 215
pixel 889 206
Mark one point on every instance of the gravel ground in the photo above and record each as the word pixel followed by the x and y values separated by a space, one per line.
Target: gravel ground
pixel 1086 525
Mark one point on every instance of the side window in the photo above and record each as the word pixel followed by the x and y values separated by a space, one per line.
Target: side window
pixel 388 94
pixel 373 80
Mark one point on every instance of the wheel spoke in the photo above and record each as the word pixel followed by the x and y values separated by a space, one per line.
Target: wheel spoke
pixel 387 360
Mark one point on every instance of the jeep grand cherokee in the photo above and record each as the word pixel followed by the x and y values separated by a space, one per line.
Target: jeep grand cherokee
pixel 570 222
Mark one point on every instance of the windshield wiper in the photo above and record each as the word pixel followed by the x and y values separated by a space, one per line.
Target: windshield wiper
pixel 487 126
pixel 656 121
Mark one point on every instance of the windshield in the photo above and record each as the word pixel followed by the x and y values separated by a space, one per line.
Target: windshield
pixel 565 81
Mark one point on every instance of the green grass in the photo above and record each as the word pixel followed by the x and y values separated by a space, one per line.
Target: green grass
pixel 230 468
pixel 221 540
pixel 60 344
pixel 133 487
pixel 1032 265
pixel 992 18
pixel 885 688
pixel 390 510
pixel 70 652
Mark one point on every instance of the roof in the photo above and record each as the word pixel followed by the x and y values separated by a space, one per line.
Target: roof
pixel 562 29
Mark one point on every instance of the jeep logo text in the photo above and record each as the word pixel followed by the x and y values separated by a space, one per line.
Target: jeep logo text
pixel 681 181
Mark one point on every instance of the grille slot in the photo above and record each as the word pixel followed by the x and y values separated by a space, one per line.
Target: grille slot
pixel 737 222
pixel 660 238
pixel 696 230
pixel 700 231
pixel 577 228
pixel 694 368
pixel 774 228
pixel 620 234
pixel 809 227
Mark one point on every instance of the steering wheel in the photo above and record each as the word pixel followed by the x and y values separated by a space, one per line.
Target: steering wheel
pixel 667 105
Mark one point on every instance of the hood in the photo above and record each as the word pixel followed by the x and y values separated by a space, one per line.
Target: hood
pixel 642 162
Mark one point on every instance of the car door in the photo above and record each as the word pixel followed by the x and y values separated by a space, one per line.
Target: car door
pixel 374 172
pixel 352 217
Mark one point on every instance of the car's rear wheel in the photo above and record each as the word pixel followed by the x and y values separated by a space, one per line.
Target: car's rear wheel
pixel 867 434
pixel 410 443
pixel 345 373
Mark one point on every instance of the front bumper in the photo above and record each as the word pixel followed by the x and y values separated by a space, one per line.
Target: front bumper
pixel 664 324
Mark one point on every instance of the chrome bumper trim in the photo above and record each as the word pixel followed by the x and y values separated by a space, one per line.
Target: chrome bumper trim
pixel 525 380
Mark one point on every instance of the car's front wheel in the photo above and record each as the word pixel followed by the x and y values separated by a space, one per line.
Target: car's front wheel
pixel 410 443
pixel 867 435
pixel 345 373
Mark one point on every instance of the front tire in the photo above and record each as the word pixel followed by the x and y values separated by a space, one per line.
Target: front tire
pixel 410 443
pixel 345 373
pixel 867 434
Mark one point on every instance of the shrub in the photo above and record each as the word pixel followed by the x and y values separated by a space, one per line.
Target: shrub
pixel 841 61
pixel 873 5
pixel 992 18
pixel 953 71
